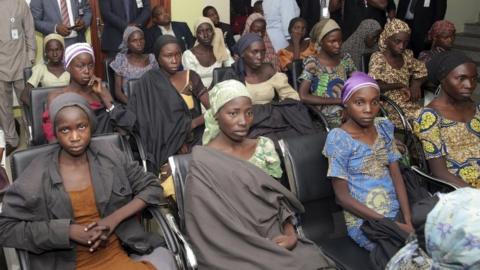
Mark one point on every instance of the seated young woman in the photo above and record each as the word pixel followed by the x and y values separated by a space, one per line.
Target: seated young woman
pixel 298 47
pixel 80 62
pixel 250 214
pixel 363 40
pixel 209 51
pixel 74 207
pixel 442 36
pixel 131 63
pixel 449 127
pixel 325 73
pixel 49 74
pixel 398 73
pixel 257 24
pixel 166 105
pixel 363 162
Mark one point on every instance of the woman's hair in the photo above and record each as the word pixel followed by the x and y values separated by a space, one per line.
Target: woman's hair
pixel 162 41
pixel 206 9
pixel 294 21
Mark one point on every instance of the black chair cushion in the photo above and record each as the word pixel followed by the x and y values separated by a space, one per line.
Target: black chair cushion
pixel 346 253
pixel 297 68
pixel 38 103
pixel 180 165
pixel 21 159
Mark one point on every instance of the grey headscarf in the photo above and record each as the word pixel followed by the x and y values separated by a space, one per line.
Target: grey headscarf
pixel 68 100
pixel 355 44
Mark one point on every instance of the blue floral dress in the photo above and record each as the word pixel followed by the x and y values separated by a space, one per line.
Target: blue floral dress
pixel 365 168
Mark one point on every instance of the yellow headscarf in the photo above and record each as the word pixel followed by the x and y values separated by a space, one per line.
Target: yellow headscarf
pixel 322 28
pixel 218 44
pixel 393 27
pixel 53 36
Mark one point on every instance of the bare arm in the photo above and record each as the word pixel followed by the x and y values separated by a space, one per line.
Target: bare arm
pixel 438 167
pixel 350 204
pixel 119 95
pixel 307 98
pixel 385 87
pixel 416 89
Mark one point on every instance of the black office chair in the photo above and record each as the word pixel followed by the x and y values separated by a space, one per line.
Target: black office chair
pixel 131 86
pixel 323 220
pixel 21 159
pixel 27 73
pixel 297 68
pixel 365 62
pixel 110 76
pixel 38 104
pixel 221 74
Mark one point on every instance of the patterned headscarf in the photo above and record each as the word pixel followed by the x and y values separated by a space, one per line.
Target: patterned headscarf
pixel 452 230
pixel 357 81
pixel 441 26
pixel 218 44
pixel 322 28
pixel 75 49
pixel 270 55
pixel 126 34
pixel 220 94
pixel 53 36
pixel 393 27
pixel 355 44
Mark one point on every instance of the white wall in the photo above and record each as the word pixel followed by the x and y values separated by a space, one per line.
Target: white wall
pixel 462 11
pixel 190 10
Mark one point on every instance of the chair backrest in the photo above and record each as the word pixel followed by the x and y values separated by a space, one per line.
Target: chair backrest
pixel 27 73
pixel 306 169
pixel 180 165
pixel 131 86
pixel 38 104
pixel 365 61
pixel 219 75
pixel 21 159
pixel 110 76
pixel 297 68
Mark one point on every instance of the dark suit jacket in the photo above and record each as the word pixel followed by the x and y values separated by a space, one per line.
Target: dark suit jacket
pixel 37 211
pixel 181 30
pixel 114 18
pixel 46 14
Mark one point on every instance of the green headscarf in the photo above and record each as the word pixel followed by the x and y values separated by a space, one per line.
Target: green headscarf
pixel 220 94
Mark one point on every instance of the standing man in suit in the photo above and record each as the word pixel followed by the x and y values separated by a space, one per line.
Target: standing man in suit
pixel 117 15
pixel 69 18
pixel 163 25
pixel 420 16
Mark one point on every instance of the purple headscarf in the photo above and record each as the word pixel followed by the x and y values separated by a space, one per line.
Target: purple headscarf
pixel 357 81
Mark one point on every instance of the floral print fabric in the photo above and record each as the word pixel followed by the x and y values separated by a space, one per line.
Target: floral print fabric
pixel 266 157
pixel 365 168
pixel 458 142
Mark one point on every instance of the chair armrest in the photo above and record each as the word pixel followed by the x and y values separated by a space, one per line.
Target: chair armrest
pixel 405 124
pixel 432 178
pixel 141 150
pixel 189 254
pixel 320 115
pixel 168 233
pixel 23 259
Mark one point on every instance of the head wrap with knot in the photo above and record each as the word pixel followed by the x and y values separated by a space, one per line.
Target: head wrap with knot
pixel 162 41
pixel 442 63
pixel 70 99
pixel 242 44
pixel 357 81
pixel 126 34
pixel 219 95
pixel 452 231
pixel 270 55
pixel 75 49
pixel 323 28
pixel 392 27
pixel 440 27
pixel 219 49
pixel 53 36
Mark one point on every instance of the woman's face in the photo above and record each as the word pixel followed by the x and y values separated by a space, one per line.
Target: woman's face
pixel 397 43
pixel 254 55
pixel 259 27
pixel 136 42
pixel 170 58
pixel 213 15
pixel 298 29
pixel 54 51
pixel 461 82
pixel 235 118
pixel 332 43
pixel 81 68
pixel 72 129
pixel 372 38
pixel 363 106
pixel 444 40
pixel 205 34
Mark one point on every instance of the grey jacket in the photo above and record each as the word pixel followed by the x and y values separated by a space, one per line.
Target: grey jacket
pixel 37 211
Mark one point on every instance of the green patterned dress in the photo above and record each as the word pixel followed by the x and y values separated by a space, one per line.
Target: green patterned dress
pixel 266 158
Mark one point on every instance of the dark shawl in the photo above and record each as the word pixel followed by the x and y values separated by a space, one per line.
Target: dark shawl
pixel 163 118
pixel 233 210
